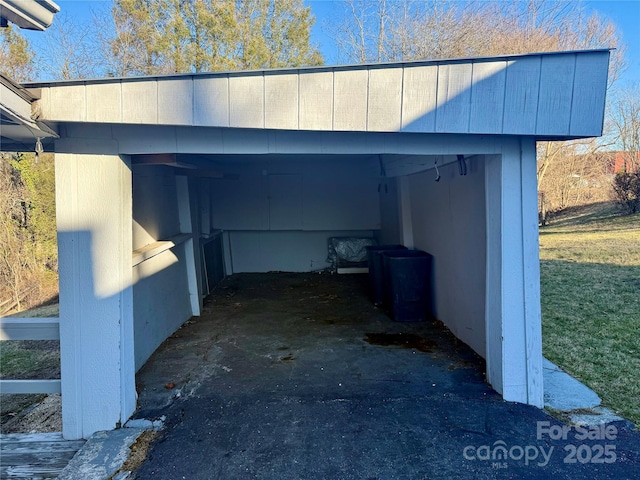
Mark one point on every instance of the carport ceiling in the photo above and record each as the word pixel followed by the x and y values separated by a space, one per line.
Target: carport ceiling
pixel 216 165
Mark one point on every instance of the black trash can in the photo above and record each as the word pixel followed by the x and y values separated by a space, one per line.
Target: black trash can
pixel 376 270
pixel 407 287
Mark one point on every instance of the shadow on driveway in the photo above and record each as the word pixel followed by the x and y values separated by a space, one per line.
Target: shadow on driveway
pixel 299 376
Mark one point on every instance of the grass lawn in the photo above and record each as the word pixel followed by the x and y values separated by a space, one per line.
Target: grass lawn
pixel 590 281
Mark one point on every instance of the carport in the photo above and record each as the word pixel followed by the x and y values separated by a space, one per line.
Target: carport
pixel 206 175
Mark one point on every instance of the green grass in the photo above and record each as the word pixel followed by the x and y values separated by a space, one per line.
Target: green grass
pixel 29 359
pixel 590 281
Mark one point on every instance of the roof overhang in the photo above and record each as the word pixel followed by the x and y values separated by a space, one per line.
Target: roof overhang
pixel 29 14
pixel 18 126
pixel 553 95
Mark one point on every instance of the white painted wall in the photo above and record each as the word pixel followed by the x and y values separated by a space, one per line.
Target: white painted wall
pixel 389 233
pixel 280 214
pixel 448 219
pixel 161 291
pixel 155 206
pixel 287 251
pixel 160 300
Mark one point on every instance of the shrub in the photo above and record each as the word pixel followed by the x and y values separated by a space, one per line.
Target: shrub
pixel 626 188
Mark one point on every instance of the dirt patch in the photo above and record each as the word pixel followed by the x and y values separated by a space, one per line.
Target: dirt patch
pixel 45 416
pixel 138 451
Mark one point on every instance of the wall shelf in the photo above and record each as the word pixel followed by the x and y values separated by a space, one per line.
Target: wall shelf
pixel 156 248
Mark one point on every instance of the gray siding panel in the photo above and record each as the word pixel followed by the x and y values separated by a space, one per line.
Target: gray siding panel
pixel 175 101
pixel 589 90
pixel 385 98
pixel 419 99
pixel 521 96
pixel 246 106
pixel 211 105
pixel 546 95
pixel 281 101
pixel 487 97
pixel 140 102
pixel 350 100
pixel 68 103
pixel 104 103
pixel 454 98
pixel 316 101
pixel 556 90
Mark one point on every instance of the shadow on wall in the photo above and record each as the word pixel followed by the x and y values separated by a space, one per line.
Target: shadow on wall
pixel 104 339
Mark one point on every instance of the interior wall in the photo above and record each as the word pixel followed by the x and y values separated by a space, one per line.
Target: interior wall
pixel 389 213
pixel 287 251
pixel 161 301
pixel 279 215
pixel 448 220
pixel 155 206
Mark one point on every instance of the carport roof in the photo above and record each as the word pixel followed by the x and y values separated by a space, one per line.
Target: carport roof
pixel 555 95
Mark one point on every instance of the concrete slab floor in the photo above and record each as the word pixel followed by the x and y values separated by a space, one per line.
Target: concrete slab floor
pixel 299 376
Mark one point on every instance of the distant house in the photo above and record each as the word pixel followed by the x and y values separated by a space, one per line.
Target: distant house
pixel 625 162
pixel 162 180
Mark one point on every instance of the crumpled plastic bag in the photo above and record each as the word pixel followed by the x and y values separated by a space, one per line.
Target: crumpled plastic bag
pixel 348 249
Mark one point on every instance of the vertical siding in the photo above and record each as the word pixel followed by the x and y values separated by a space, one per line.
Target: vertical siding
pixel 454 98
pixel 68 103
pixel 559 95
pixel 211 105
pixel 140 102
pixel 316 101
pixel 246 105
pixel 589 90
pixel 521 96
pixel 419 99
pixel 281 101
pixel 350 100
pixel 487 97
pixel 385 97
pixel 175 101
pixel 104 102
pixel 556 90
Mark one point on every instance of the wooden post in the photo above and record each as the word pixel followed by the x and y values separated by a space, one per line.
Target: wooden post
pixel 94 216
pixel 513 319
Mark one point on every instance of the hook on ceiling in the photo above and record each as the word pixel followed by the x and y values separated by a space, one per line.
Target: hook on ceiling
pixel 462 165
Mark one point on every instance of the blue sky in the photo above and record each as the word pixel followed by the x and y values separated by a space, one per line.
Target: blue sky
pixel 624 13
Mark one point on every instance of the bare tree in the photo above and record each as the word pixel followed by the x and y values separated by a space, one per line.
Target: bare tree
pixel 625 123
pixel 68 52
pixel 379 30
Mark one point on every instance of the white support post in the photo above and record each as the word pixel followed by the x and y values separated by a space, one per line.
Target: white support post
pixel 513 318
pixel 94 217
pixel 404 204
pixel 186 216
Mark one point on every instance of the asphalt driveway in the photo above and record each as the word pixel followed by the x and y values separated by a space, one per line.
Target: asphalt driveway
pixel 299 376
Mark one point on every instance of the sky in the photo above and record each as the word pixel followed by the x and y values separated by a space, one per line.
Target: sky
pixel 624 13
